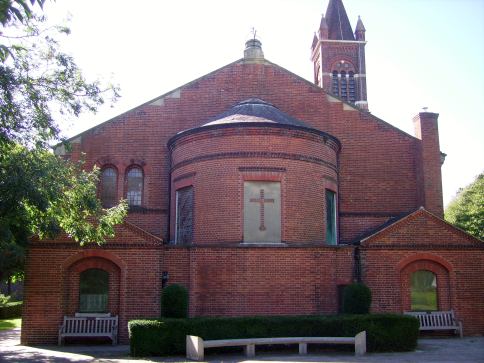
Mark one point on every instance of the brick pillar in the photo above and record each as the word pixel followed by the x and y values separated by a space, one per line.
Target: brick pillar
pixel 429 162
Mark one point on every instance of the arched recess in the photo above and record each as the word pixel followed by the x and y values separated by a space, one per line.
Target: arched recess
pixel 93 259
pixel 426 262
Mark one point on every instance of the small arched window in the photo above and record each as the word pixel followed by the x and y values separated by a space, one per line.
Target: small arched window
pixel 335 83
pixel 93 291
pixel 134 186
pixel 109 178
pixel 351 87
pixel 423 286
pixel 344 92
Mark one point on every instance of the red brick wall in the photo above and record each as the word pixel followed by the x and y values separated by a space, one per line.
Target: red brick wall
pixel 300 161
pixel 424 242
pixel 238 281
pixel 377 163
pixel 52 289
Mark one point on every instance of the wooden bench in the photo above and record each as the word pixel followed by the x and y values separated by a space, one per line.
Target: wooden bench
pixel 437 320
pixel 196 345
pixel 83 325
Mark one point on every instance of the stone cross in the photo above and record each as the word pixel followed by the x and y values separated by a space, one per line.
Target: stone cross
pixel 262 200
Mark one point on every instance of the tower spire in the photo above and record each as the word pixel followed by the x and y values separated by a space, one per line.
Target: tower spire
pixel 339 27
pixel 338 56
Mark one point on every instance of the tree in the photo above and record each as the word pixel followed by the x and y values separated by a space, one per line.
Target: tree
pixel 40 193
pixel 466 210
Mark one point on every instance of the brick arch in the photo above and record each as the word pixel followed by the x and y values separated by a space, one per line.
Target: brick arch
pixel 436 265
pixel 334 62
pixel 93 253
pixel 425 256
pixel 73 266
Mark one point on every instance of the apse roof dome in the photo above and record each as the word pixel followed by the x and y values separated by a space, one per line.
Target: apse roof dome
pixel 255 113
pixel 255 110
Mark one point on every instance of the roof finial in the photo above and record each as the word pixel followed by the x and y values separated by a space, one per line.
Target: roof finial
pixel 254 33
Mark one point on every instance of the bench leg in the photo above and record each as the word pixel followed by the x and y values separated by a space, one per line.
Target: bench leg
pixel 360 343
pixel 195 348
pixel 303 348
pixel 250 350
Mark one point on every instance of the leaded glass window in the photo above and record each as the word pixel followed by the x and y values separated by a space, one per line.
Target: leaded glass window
pixel 109 178
pixel 351 87
pixel 423 286
pixel 93 291
pixel 184 215
pixel 344 91
pixel 330 217
pixel 134 186
pixel 335 83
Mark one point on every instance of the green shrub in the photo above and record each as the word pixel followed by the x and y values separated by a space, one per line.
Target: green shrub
pixel 4 299
pixel 385 332
pixel 356 299
pixel 174 302
pixel 11 310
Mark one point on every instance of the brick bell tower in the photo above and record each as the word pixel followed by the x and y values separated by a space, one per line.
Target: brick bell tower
pixel 338 56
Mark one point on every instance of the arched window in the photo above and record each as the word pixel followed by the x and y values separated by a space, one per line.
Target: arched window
pixel 423 286
pixel 134 180
pixel 93 291
pixel 109 178
pixel 351 87
pixel 335 83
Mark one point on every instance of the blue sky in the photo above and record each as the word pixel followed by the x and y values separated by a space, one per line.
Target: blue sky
pixel 420 53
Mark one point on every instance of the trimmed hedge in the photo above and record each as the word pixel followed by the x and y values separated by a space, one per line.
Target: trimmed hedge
pixel 356 299
pixel 11 310
pixel 385 332
pixel 174 302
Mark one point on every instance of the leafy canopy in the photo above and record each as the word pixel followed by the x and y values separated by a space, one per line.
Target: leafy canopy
pixel 40 193
pixel 466 210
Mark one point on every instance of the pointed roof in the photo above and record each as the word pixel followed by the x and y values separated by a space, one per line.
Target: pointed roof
pixel 338 23
pixel 359 25
pixel 419 228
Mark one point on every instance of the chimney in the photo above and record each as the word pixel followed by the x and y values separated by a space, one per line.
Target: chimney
pixel 429 161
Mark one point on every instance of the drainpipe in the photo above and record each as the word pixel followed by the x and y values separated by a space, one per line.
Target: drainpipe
pixel 357 266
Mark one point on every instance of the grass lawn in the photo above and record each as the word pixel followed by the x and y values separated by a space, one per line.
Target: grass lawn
pixel 6 324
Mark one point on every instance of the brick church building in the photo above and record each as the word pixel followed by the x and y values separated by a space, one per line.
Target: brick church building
pixel 263 194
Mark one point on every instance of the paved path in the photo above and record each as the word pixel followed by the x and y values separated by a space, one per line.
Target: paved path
pixel 450 350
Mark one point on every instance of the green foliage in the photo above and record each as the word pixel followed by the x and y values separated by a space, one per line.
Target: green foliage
pixel 174 302
pixel 11 310
pixel 10 324
pixel 466 210
pixel 356 299
pixel 17 10
pixel 385 332
pixel 4 300
pixel 41 194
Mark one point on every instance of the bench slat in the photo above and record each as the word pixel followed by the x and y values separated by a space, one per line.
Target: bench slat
pixel 89 327
pixel 437 320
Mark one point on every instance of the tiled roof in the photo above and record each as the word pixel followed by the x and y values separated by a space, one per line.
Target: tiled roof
pixel 339 27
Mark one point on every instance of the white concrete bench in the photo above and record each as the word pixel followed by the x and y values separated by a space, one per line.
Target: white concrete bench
pixel 437 320
pixel 196 345
pixel 89 326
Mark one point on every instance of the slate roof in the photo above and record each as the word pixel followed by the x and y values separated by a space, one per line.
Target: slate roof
pixel 255 110
pixel 339 27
